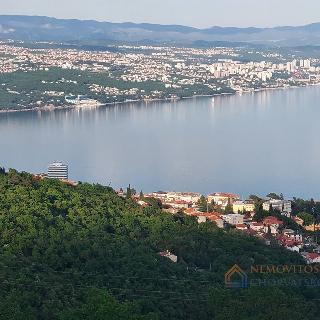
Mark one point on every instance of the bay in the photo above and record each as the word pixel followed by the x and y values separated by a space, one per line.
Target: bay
pixel 255 143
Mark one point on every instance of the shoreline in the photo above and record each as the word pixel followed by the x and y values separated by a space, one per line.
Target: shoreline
pixel 73 107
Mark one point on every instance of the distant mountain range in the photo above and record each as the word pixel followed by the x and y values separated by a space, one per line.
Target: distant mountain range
pixel 36 28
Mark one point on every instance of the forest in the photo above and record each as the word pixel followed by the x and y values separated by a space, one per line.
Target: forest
pixel 83 252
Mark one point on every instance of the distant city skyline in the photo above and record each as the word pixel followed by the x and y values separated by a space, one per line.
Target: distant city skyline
pixel 200 13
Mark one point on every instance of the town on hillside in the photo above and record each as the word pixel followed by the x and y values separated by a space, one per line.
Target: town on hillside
pixel 67 77
pixel 272 219
pixel 291 224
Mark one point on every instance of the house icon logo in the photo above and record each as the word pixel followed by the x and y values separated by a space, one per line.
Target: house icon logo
pixel 236 278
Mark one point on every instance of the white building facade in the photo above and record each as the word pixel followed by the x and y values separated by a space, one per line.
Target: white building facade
pixel 284 206
pixel 58 170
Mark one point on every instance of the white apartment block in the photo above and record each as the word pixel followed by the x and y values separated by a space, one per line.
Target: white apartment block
pixel 284 206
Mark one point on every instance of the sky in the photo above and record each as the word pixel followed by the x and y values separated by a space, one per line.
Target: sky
pixel 197 13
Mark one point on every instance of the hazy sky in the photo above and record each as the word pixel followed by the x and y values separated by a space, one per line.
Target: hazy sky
pixel 199 13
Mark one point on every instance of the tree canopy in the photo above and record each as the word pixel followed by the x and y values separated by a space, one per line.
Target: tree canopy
pixel 83 252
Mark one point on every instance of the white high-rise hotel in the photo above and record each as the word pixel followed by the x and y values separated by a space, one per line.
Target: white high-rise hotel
pixel 58 170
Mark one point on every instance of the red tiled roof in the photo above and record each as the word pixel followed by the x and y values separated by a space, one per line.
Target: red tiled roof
pixel 312 255
pixel 177 202
pixel 257 224
pixel 203 214
pixel 164 253
pixel 214 218
pixel 241 226
pixel 289 242
pixel 190 210
pixel 272 220
pixel 226 195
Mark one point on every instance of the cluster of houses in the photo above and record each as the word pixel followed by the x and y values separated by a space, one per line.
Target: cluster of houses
pixel 241 217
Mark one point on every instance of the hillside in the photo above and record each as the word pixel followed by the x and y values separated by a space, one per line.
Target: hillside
pixel 85 253
pixel 36 28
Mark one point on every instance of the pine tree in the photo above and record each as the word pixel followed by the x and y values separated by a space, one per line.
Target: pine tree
pixel 129 192
pixel 203 204
pixel 229 208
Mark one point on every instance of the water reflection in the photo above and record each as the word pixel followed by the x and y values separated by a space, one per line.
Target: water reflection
pixel 254 143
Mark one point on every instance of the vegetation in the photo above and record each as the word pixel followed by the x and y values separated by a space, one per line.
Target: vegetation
pixel 203 205
pixel 27 90
pixel 308 206
pixel 307 218
pixel 85 253
pixel 275 196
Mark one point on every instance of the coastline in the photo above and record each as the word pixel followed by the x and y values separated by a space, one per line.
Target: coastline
pixel 51 108
pixel 46 108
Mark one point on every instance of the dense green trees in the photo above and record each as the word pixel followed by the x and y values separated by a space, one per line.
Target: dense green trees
pixel 97 304
pixel 257 304
pixel 275 196
pixel 308 219
pixel 85 253
pixel 203 204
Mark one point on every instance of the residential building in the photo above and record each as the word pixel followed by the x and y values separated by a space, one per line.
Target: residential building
pixel 204 217
pixel 283 206
pixel 217 220
pixel 161 195
pixel 168 197
pixel 58 170
pixel 233 219
pixel 272 224
pixel 184 196
pixel 169 255
pixel 222 199
pixel 293 247
pixel 311 257
pixel 243 206
pixel 312 227
pixel 256 226
pixel 241 227
pixel 178 204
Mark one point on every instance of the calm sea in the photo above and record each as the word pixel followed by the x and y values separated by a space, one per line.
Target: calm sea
pixel 254 143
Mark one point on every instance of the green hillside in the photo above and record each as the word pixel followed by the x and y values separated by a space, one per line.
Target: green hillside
pixel 85 253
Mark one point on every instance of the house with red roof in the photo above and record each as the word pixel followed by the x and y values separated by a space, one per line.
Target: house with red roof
pixel 256 226
pixel 223 199
pixel 206 216
pixel 272 223
pixel 311 257
pixel 271 220
pixel 216 218
pixel 169 255
pixel 178 204
pixel 289 242
pixel 241 227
